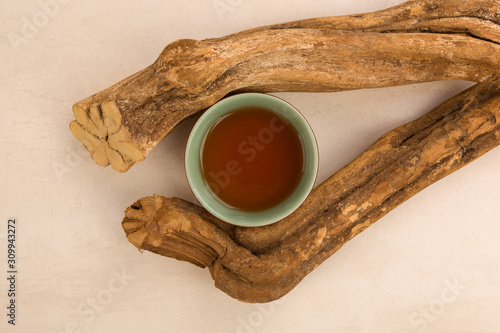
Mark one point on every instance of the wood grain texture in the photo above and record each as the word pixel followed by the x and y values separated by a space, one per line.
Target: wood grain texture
pixel 417 41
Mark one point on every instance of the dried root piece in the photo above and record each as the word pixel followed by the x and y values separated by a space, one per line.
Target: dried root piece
pixel 262 264
pixel 102 133
pixel 418 41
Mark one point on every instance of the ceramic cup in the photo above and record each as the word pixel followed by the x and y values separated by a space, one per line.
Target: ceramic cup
pixel 195 174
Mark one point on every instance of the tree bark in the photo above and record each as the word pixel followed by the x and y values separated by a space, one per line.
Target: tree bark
pixel 417 41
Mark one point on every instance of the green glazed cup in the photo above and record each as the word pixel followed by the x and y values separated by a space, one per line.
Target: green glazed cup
pixel 201 189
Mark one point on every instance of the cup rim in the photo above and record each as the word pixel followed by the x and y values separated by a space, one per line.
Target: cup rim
pixel 192 160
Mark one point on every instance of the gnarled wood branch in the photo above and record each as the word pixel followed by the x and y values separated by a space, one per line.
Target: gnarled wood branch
pixel 262 264
pixel 418 41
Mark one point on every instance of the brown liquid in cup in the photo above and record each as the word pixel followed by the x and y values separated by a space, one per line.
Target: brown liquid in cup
pixel 252 159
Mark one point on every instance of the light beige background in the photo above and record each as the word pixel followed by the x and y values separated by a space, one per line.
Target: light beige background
pixel 431 265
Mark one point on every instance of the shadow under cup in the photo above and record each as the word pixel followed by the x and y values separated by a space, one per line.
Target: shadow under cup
pixel 193 163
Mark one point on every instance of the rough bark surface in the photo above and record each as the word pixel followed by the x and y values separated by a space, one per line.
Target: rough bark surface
pixel 262 264
pixel 417 41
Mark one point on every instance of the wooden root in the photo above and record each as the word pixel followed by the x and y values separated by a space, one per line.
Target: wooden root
pixel 418 41
pixel 262 264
